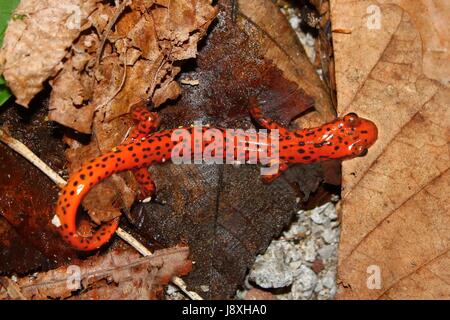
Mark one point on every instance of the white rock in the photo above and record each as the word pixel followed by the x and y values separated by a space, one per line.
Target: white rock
pixel 333 292
pixel 304 285
pixel 309 251
pixel 270 271
pixel 324 294
pixel 326 251
pixel 204 288
pixel 330 235
pixel 292 254
pixel 319 215
pixel 329 281
pixel 331 212
pixel 319 287
pixel 295 267
pixel 294 231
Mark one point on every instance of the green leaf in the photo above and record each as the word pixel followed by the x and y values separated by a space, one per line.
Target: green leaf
pixel 4 94
pixel 6 9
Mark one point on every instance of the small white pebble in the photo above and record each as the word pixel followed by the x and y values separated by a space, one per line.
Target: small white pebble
pixel 204 288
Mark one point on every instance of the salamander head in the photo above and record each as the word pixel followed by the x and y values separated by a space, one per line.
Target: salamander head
pixel 353 135
pixel 344 138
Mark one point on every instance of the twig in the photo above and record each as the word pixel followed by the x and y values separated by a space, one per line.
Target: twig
pixel 107 30
pixel 145 252
pixel 23 150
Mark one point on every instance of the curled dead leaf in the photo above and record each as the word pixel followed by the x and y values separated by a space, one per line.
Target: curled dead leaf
pixel 36 43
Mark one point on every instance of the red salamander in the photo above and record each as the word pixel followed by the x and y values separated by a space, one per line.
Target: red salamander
pixel 344 138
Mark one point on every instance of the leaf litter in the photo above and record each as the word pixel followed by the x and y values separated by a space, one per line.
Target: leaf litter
pixel 140 55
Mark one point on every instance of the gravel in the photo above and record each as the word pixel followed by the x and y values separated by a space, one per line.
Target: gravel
pixel 301 264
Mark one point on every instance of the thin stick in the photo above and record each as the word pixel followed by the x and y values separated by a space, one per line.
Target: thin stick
pixel 23 150
pixel 145 252
pixel 107 30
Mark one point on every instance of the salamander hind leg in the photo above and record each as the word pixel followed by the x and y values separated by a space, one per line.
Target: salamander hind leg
pixel 263 121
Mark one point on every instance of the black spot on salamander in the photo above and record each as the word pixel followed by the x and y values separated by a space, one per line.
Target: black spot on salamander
pixel 130 148
pixel 301 151
pixel 306 157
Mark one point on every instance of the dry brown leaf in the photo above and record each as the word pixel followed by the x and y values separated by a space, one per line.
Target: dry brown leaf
pixel 95 92
pixel 281 45
pixel 395 208
pixel 37 40
pixel 134 277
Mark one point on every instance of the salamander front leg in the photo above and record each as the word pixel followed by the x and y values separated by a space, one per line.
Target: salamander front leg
pixel 146 123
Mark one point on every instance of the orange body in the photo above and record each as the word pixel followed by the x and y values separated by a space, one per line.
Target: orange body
pixel 343 138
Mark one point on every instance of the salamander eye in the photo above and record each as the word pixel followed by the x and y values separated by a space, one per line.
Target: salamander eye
pixel 351 119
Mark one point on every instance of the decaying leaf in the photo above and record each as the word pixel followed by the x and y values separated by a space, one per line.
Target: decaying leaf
pixel 281 45
pixel 395 237
pixel 134 277
pixel 36 41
